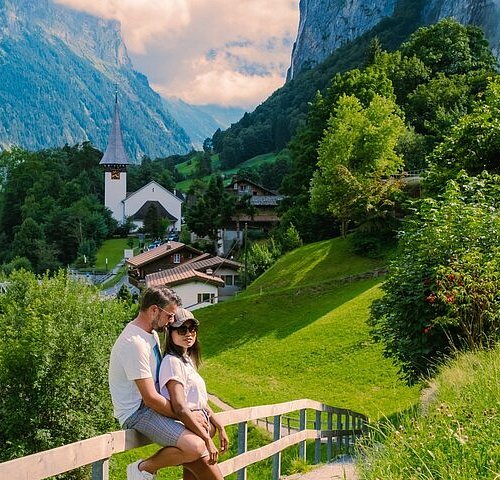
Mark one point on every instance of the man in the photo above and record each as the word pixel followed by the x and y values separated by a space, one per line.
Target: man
pixel 133 382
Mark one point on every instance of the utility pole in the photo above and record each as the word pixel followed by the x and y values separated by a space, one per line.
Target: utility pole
pixel 245 240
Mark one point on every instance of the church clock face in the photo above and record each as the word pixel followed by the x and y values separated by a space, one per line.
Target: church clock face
pixel 115 174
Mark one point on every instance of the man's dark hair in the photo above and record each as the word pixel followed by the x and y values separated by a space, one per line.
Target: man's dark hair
pixel 161 296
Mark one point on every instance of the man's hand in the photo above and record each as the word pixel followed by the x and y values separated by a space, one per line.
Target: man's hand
pixel 201 420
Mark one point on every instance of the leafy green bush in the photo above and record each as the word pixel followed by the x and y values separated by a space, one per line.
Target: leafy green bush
pixel 442 291
pixel 56 339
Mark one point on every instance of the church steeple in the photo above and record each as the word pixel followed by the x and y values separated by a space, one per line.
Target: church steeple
pixel 115 152
pixel 115 162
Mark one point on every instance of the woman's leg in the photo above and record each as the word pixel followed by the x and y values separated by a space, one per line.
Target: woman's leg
pixel 189 449
pixel 186 473
pixel 203 471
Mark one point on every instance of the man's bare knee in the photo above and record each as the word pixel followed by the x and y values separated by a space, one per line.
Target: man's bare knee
pixel 191 446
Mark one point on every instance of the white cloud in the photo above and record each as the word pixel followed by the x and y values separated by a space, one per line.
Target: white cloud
pixel 170 40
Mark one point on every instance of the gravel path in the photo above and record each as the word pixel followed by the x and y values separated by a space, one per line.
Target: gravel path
pixel 342 469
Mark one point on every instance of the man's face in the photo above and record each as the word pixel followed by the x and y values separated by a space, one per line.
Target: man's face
pixel 162 316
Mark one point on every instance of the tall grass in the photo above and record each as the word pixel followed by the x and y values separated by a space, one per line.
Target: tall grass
pixel 454 436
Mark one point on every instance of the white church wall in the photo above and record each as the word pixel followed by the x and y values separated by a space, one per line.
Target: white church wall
pixel 154 192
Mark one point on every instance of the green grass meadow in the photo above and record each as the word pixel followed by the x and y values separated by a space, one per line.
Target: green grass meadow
pixel 112 249
pixel 188 167
pixel 455 435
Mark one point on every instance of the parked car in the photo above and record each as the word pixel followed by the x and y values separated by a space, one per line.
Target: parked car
pixel 173 236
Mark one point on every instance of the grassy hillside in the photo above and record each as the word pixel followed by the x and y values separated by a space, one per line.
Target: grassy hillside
pixel 314 263
pixel 188 167
pixel 308 338
pixel 455 436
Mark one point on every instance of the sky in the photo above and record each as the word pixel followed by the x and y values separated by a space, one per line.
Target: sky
pixel 225 52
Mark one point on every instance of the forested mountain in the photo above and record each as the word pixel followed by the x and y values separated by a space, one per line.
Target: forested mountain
pixel 273 123
pixel 59 69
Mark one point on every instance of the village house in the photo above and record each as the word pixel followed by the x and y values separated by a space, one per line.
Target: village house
pixel 163 257
pixel 199 278
pixel 265 210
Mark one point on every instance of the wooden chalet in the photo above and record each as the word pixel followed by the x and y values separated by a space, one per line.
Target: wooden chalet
pixel 264 201
pixel 164 257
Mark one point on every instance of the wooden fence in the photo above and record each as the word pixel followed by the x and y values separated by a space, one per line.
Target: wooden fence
pixel 342 427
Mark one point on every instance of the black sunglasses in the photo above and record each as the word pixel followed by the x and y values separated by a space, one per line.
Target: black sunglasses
pixel 184 329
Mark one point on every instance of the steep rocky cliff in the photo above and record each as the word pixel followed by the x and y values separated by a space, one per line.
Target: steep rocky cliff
pixel 58 71
pixel 325 25
pixel 484 13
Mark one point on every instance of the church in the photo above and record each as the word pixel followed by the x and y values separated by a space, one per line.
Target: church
pixel 134 205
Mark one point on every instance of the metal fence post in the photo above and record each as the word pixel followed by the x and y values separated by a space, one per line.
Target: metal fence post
pixel 317 442
pixel 347 437
pixel 339 435
pixel 302 426
pixel 242 447
pixel 100 470
pixel 277 456
pixel 329 442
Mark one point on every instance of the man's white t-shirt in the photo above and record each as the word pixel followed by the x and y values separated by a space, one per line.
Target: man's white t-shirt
pixel 174 368
pixel 132 358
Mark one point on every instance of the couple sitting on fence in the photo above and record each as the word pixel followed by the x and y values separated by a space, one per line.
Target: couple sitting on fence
pixel 165 399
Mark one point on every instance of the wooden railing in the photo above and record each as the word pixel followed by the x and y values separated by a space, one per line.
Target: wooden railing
pixel 342 427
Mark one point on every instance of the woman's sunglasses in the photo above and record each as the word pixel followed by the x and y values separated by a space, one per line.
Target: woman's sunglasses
pixel 184 329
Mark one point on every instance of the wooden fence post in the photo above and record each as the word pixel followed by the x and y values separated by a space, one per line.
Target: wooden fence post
pixel 242 447
pixel 100 470
pixel 302 426
pixel 277 456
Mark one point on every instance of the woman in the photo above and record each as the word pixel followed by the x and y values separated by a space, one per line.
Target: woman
pixel 180 382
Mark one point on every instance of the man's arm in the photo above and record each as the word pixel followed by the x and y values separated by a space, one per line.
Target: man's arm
pixel 152 398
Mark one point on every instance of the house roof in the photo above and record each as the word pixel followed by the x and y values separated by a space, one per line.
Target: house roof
pixel 214 262
pixel 198 258
pixel 160 209
pixel 175 277
pixel 159 252
pixel 115 151
pixel 265 200
pixel 237 179
pixel 156 184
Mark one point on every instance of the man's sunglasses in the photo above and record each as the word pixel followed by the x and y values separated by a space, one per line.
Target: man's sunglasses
pixel 184 329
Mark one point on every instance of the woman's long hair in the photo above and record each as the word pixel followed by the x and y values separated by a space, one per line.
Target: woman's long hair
pixel 194 352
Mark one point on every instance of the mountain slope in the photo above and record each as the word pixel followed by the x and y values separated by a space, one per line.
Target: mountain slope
pixel 201 121
pixel 273 123
pixel 59 69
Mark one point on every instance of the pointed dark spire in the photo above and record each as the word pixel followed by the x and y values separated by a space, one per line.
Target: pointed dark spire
pixel 115 152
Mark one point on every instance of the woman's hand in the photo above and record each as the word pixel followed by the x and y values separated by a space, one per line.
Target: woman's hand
pixel 213 453
pixel 224 440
